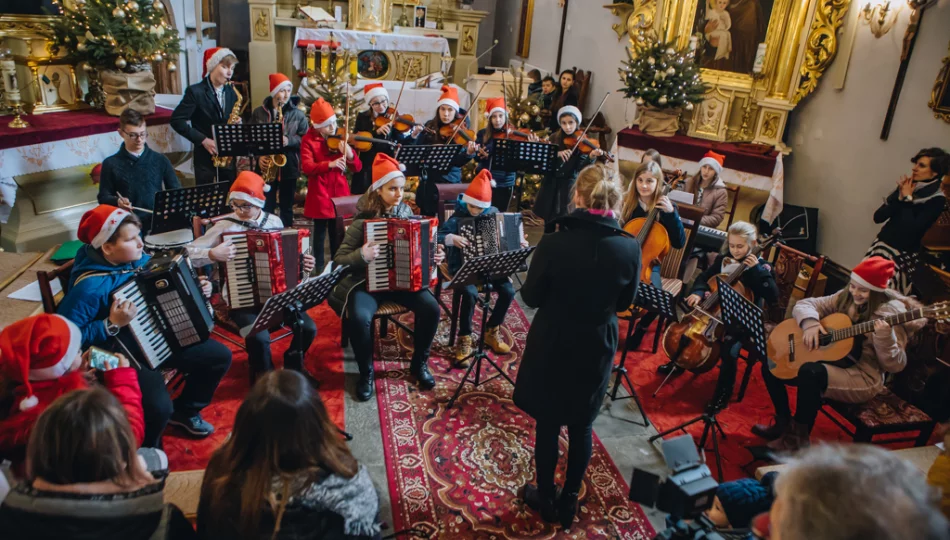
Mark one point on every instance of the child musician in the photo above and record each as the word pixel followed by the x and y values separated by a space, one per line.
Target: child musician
pixel 855 379
pixel 711 194
pixel 247 199
pixel 554 196
pixel 449 111
pixel 325 170
pixel 378 98
pixel 205 104
pixel 109 258
pixel 757 278
pixel 349 297
pixel 295 127
pixel 642 197
pixel 474 202
pixel 42 355
pixel 503 183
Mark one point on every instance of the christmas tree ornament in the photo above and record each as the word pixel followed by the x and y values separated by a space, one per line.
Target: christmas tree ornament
pixel 157 5
pixel 157 57
pixel 86 67
pixel 157 31
pixel 118 13
pixel 662 100
pixel 671 71
pixel 689 106
pixel 81 47
pixel 89 36
pixel 651 60
pixel 133 6
pixel 120 63
pixel 639 101
pixel 172 67
pixel 670 51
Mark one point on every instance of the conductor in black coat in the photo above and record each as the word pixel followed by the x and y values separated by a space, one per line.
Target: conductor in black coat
pixel 205 104
pixel 579 278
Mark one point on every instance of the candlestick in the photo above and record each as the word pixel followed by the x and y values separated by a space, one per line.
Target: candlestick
pixel 759 62
pixel 10 85
pixel 311 58
pixel 325 59
pixel 354 66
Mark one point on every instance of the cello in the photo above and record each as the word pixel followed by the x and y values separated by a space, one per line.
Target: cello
pixel 693 343
pixel 653 237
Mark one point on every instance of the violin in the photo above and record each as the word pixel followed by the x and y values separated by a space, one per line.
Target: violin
pixel 586 146
pixel 457 133
pixel 510 132
pixel 361 141
pixel 400 122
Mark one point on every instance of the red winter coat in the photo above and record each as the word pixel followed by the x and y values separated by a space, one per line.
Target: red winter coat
pixel 323 183
pixel 16 427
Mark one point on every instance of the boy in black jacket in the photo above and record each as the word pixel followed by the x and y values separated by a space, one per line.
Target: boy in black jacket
pixel 132 176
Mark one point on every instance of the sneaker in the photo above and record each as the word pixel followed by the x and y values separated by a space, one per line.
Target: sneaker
pixel 194 425
pixel 494 341
pixel 463 351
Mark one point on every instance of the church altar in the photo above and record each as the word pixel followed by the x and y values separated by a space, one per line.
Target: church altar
pixel 42 160
pixel 352 40
pixel 763 172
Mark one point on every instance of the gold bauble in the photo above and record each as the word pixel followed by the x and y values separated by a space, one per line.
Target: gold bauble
pixel 535 110
pixel 133 6
pixel 303 192
pixel 172 67
pixel 689 106
pixel 525 118
pixel 81 47
pixel 86 67
pixel 120 63
pixel 157 57
pixel 118 13
pixel 158 5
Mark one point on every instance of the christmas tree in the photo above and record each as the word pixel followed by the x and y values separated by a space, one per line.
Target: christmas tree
pixel 522 110
pixel 114 34
pixel 332 87
pixel 660 76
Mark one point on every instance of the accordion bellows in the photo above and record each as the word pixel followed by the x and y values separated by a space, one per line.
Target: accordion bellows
pixel 266 263
pixel 406 259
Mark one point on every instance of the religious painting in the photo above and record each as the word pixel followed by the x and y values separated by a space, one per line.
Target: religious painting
pixel 56 86
pixel 524 32
pixel 940 96
pixel 373 64
pixel 420 17
pixel 729 32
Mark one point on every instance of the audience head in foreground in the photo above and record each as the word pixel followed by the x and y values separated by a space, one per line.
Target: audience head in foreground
pixel 854 492
pixel 286 470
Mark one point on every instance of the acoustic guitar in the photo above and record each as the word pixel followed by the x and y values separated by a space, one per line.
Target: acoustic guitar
pixel 788 353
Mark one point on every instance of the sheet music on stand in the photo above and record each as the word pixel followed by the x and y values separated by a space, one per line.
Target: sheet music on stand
pixel 743 318
pixel 237 140
pixel 175 208
pixel 493 266
pixel 655 300
pixel 523 156
pixel 436 157
pixel 302 297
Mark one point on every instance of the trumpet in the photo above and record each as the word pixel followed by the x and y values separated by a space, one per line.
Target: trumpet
pixel 270 165
pixel 235 118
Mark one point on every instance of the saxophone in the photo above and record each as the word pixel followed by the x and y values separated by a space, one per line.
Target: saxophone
pixel 235 118
pixel 271 164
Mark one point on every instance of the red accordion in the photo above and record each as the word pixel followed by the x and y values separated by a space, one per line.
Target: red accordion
pixel 407 249
pixel 265 263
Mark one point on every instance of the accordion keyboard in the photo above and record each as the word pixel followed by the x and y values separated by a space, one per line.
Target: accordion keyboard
pixel 240 276
pixel 175 313
pixel 378 274
pixel 145 330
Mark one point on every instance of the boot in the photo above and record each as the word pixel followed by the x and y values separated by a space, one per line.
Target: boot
pixel 720 400
pixel 463 351
pixel 567 509
pixel 795 438
pixel 493 340
pixel 542 503
pixel 366 385
pixel 420 370
pixel 773 431
pixel 666 368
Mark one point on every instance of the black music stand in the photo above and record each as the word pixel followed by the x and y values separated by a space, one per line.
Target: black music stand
pixel 239 140
pixel 174 209
pixel 522 157
pixel 652 300
pixel 435 157
pixel 482 270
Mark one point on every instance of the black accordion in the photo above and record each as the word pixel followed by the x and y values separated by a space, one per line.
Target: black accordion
pixel 171 311
pixel 491 234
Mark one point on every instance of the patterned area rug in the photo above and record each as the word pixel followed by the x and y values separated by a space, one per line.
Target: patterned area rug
pixel 457 473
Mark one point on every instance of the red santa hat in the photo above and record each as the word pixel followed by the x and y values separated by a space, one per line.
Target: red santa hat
pixel 874 273
pixel 321 114
pixel 214 56
pixel 495 104
pixel 38 348
pixel 571 110
pixel 479 191
pixel 249 187
pixel 385 169
pixel 278 82
pixel 714 160
pixel 374 90
pixel 99 224
pixel 450 97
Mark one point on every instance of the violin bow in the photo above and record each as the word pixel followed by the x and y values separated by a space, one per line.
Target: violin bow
pixel 504 94
pixel 469 111
pixel 399 97
pixel 590 123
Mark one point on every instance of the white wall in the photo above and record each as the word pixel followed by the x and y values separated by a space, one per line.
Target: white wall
pixel 839 164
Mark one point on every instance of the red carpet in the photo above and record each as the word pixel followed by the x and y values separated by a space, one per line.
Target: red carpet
pixel 324 361
pixel 684 397
pixel 457 473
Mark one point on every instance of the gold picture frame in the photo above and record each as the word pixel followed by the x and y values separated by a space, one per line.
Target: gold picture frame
pixel 524 32
pixel 940 95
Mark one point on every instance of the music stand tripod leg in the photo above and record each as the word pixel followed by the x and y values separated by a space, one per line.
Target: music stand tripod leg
pixel 294 314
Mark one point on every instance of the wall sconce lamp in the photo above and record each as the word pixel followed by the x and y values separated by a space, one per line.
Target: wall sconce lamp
pixel 880 17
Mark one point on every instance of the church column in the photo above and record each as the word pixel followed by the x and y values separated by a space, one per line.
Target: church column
pixel 262 50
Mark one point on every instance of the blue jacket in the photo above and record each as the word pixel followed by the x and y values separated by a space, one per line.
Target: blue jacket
pixel 453 255
pixel 502 179
pixel 87 302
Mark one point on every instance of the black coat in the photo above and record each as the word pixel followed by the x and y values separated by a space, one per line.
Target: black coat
pixel 198 111
pixel 579 278
pixel 758 279
pixel 905 223
pixel 554 195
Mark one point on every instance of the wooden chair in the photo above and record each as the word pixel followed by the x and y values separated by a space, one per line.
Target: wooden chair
pixel 344 209
pixel 448 197
pixel 599 129
pixel 734 195
pixel 582 80
pixel 45 279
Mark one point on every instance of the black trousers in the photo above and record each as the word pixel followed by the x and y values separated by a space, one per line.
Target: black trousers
pixel 729 351
pixel 812 381
pixel 501 197
pixel 318 239
pixel 580 446
pixel 506 293
pixel 286 187
pixel 360 308
pixel 203 365
pixel 259 357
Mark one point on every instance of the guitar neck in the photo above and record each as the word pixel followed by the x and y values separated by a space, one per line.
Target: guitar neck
pixel 868 326
pixel 713 298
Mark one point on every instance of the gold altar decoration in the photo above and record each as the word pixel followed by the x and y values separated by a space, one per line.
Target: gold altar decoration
pixel 770 57
pixel 371 15
pixel 940 96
